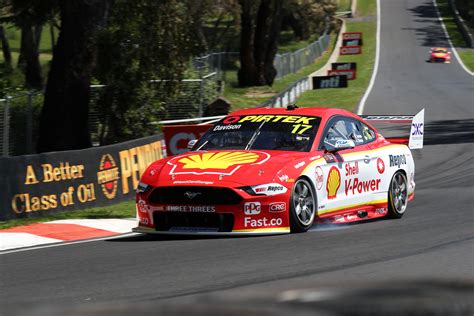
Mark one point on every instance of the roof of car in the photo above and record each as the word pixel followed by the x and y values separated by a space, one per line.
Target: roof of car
pixel 313 111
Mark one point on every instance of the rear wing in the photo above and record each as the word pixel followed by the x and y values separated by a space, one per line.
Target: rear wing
pixel 417 123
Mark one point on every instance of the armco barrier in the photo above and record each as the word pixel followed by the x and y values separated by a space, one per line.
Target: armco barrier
pixel 43 184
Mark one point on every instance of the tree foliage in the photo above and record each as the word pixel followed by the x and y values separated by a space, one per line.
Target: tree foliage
pixel 144 40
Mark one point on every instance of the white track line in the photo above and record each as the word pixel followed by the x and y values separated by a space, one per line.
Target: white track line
pixel 68 243
pixel 449 40
pixel 360 109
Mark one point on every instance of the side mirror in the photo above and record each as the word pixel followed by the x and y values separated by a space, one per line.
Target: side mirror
pixel 340 144
pixel 191 143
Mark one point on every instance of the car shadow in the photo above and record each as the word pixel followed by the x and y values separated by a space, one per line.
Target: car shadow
pixel 172 237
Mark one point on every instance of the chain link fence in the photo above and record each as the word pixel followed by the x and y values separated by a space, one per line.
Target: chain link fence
pixel 19 114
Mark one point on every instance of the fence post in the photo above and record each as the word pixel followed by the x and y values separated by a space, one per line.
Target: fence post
pixel 201 93
pixel 6 127
pixel 29 124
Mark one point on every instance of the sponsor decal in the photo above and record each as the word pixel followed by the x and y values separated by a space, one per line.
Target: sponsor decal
pixel 351 217
pixel 191 208
pixel 262 222
pixel 397 160
pixel 330 158
pixel 343 66
pixel 315 157
pixel 108 176
pixel 153 172
pixel 333 183
pixel 192 182
pixel 319 178
pixel 226 127
pixel 300 164
pixel 269 189
pixel 352 42
pixel 339 219
pixel 351 35
pixel 352 168
pixel 223 163
pixel 252 208
pixel 380 165
pixel 349 73
pixel 283 178
pixel 142 207
pixel 356 186
pixel 350 50
pixel 326 82
pixel 417 129
pixel 381 210
pixel 276 207
pixel 297 119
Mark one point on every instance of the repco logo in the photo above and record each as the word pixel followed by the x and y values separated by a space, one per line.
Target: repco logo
pixel 397 160
pixel 108 176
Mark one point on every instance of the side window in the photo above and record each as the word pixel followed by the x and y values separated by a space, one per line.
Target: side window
pixel 367 133
pixel 337 131
pixel 354 131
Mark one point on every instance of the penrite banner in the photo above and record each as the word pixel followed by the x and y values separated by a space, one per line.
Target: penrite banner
pixel 43 184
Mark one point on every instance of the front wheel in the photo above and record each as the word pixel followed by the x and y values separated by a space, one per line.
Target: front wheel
pixel 302 206
pixel 397 195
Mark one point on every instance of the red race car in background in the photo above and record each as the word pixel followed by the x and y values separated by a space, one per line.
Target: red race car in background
pixel 440 54
pixel 262 171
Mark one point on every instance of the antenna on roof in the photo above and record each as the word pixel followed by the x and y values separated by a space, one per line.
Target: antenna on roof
pixel 291 107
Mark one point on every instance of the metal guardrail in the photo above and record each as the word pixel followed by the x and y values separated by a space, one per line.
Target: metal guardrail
pixel 466 34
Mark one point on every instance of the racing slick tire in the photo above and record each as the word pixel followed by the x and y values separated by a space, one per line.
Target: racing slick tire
pixel 397 195
pixel 303 206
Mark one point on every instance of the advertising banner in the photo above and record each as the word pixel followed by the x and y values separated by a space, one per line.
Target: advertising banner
pixel 352 42
pixel 352 36
pixel 343 66
pixel 350 73
pixel 178 136
pixel 323 82
pixel 350 50
pixel 43 184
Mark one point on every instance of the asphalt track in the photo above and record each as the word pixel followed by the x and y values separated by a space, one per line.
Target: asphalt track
pixel 433 241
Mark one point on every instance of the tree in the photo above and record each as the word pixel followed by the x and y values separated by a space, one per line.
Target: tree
pixel 28 61
pixel 64 117
pixel 7 55
pixel 260 30
pixel 144 40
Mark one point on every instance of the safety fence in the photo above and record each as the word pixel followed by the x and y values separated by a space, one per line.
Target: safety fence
pixel 466 34
pixel 289 95
pixel 20 113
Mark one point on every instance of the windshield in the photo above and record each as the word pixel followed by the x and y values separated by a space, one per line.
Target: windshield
pixel 440 51
pixel 266 132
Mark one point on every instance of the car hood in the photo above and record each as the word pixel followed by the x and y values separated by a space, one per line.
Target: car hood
pixel 223 168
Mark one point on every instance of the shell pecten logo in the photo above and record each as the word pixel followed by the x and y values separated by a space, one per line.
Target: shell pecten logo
pixel 221 160
pixel 334 182
pixel 225 162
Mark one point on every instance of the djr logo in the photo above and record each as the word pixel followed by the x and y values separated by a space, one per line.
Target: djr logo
pixel 418 129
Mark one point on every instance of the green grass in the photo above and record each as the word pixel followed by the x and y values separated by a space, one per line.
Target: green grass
pixel 241 98
pixel 366 8
pixel 466 54
pixel 120 210
pixel 343 5
pixel 14 38
pixel 348 98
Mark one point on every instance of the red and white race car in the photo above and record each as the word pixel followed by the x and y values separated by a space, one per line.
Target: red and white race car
pixel 280 171
pixel 440 54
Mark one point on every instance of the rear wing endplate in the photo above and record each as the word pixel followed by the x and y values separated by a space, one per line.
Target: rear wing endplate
pixel 417 122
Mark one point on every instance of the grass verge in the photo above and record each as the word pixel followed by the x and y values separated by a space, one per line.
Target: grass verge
pixel 466 54
pixel 120 210
pixel 348 98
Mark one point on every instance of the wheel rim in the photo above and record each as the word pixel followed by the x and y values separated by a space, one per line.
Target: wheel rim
pixel 399 193
pixel 303 203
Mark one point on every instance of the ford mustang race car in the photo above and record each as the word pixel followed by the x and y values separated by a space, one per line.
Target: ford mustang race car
pixel 279 171
pixel 440 54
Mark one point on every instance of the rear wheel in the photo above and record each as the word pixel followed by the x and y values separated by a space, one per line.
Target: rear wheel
pixel 303 206
pixel 397 195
